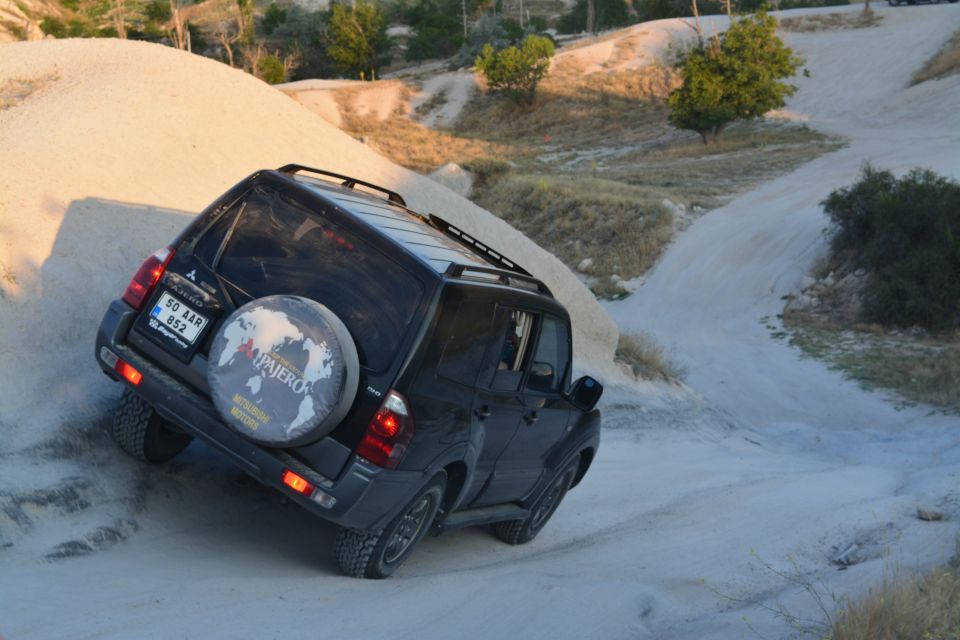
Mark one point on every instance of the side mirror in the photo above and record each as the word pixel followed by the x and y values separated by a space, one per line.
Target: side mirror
pixel 585 393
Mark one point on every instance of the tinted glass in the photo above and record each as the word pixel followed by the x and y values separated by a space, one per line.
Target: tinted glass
pixel 467 329
pixel 280 248
pixel 551 357
pixel 508 354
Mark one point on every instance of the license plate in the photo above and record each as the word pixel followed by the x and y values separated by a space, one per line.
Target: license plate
pixel 177 316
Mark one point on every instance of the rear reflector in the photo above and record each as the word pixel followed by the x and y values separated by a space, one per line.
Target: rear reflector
pixel 125 369
pixel 147 277
pixel 297 483
pixel 128 372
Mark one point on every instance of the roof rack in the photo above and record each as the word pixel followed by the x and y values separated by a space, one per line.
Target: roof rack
pixel 517 280
pixel 347 181
pixel 471 242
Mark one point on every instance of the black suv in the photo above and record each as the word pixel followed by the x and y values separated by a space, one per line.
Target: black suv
pixel 381 368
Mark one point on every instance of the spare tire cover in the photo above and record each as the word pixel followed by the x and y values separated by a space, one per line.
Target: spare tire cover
pixel 283 370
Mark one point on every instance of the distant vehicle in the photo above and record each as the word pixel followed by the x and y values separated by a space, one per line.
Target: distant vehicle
pixel 382 368
pixel 894 3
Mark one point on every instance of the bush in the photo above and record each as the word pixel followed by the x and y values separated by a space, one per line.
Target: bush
pixel 437 35
pixel 273 17
pixel 516 71
pixel 906 234
pixel 609 14
pixel 737 75
pixel 270 69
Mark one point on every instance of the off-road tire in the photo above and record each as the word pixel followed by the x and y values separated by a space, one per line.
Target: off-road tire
pixel 142 433
pixel 361 554
pixel 522 531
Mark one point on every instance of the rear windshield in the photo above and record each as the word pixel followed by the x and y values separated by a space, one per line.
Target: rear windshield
pixel 278 247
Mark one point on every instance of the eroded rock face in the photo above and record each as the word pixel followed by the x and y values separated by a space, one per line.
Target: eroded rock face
pixel 836 295
pixel 455 178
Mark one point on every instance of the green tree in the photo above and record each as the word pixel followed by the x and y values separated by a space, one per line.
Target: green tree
pixel 737 75
pixel 515 71
pixel 357 39
pixel 273 17
pixel 607 14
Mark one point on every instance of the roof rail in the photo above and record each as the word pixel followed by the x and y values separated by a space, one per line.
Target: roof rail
pixel 347 181
pixel 471 242
pixel 503 277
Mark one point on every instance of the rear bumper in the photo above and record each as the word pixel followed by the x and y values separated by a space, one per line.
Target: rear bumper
pixel 363 496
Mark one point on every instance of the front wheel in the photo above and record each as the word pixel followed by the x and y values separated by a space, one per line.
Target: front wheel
pixel 361 554
pixel 523 531
pixel 141 432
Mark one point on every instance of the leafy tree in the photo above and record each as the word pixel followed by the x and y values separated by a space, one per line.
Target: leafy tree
pixel 737 75
pixel 273 17
pixel 607 14
pixel 516 71
pixel 357 39
pixel 438 33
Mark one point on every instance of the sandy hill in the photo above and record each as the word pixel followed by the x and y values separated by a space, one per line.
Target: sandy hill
pixel 121 142
pixel 108 149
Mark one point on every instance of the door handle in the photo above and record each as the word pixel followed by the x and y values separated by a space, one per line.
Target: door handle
pixel 483 412
pixel 531 417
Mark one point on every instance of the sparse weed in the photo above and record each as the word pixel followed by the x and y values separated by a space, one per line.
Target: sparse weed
pixel 944 63
pixel 647 359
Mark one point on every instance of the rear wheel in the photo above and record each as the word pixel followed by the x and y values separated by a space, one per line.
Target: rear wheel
pixel 361 554
pixel 523 531
pixel 142 433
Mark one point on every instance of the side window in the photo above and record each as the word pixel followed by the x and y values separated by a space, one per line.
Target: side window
pixel 551 358
pixel 509 352
pixel 467 334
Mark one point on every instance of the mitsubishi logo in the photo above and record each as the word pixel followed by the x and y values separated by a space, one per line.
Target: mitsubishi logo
pixel 246 348
pixel 192 275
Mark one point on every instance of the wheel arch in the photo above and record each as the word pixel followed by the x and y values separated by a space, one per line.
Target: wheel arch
pixel 586 459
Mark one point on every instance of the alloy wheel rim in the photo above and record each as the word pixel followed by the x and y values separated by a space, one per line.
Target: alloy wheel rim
pixel 407 530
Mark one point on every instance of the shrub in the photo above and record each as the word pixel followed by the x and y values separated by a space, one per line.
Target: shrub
pixel 270 69
pixel 273 17
pixel 906 234
pixel 647 359
pixel 438 35
pixel 737 75
pixel 516 71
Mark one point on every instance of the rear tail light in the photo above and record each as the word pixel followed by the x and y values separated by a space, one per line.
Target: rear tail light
pixel 389 432
pixel 147 277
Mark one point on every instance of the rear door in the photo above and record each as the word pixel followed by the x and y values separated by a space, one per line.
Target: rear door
pixel 499 406
pixel 545 414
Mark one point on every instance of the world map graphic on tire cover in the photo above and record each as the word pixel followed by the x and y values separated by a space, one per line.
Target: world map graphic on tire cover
pixel 280 370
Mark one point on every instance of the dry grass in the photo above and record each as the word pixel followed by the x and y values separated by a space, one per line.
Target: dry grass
pixel 647 359
pixel 417 147
pixel 16 90
pixel 831 21
pixel 946 62
pixel 585 170
pixel 710 175
pixel 909 608
pixel 571 110
pixel 622 228
pixel 923 369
